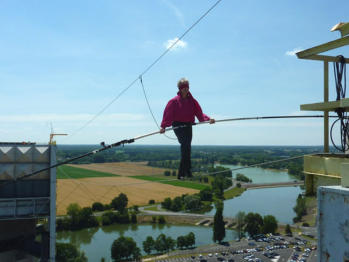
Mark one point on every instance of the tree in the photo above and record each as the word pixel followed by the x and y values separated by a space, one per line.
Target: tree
pixel 134 218
pixel 192 202
pixel 163 243
pixel 97 206
pixel 148 245
pixel 136 208
pixel 296 169
pixel 124 248
pixel 153 219
pixel 120 202
pixel 218 187
pixel 63 224
pixel 300 208
pixel 181 243
pixel 73 210
pixel 161 220
pixel 66 252
pixel 243 178
pixel 218 223
pixel 270 224
pixel 176 204
pixel 167 203
pixel 288 230
pixel 190 239
pixel 254 223
pixel 108 218
pixel 160 243
pixel 98 158
pixel 86 218
pixel 206 194
pixel 240 223
pixel 170 243
pixel 107 206
pixel 123 217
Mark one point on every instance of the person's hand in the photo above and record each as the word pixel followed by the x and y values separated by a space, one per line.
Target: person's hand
pixel 212 121
pixel 162 130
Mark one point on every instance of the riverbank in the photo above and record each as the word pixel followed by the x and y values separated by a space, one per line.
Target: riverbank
pixel 247 166
pixel 171 219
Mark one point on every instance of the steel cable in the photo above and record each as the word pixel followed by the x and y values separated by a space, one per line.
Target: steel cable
pixel 150 110
pixel 339 68
pixel 147 68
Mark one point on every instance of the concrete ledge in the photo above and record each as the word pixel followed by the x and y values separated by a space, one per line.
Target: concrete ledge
pixel 345 174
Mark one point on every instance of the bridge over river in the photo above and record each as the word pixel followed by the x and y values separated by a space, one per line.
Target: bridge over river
pixel 269 185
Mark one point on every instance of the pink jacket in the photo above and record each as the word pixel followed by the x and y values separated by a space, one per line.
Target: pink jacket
pixel 182 110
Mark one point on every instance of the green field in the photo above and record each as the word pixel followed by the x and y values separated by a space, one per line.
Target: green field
pixel 66 172
pixel 175 182
pixel 152 208
pixel 234 192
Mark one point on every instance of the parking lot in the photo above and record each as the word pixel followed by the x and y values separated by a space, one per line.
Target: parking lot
pixel 273 248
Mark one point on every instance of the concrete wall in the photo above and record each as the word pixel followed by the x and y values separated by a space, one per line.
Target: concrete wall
pixel 333 223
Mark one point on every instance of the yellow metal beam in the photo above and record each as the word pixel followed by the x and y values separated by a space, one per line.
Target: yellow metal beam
pixel 324 58
pixel 320 174
pixel 326 106
pixel 326 126
pixel 323 48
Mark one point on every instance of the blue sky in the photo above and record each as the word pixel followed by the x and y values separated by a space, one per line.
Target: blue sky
pixel 63 61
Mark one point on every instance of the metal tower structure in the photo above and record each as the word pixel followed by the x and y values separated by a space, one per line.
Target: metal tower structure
pixel 25 202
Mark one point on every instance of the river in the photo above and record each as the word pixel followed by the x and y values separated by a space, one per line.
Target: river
pixel 260 175
pixel 96 242
pixel 278 202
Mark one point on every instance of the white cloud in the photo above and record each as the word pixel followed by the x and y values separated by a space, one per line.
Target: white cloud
pixel 293 52
pixel 175 44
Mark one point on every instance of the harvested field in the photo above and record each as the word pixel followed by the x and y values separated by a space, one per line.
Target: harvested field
pixel 124 168
pixel 86 191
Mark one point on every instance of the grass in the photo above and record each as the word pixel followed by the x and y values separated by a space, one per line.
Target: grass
pixel 152 208
pixel 311 204
pixel 234 192
pixel 66 172
pixel 175 182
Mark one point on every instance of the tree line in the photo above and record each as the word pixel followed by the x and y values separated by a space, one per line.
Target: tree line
pixel 78 218
pixel 201 200
pixel 168 156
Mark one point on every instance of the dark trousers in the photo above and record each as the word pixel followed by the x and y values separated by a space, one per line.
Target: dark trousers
pixel 184 136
